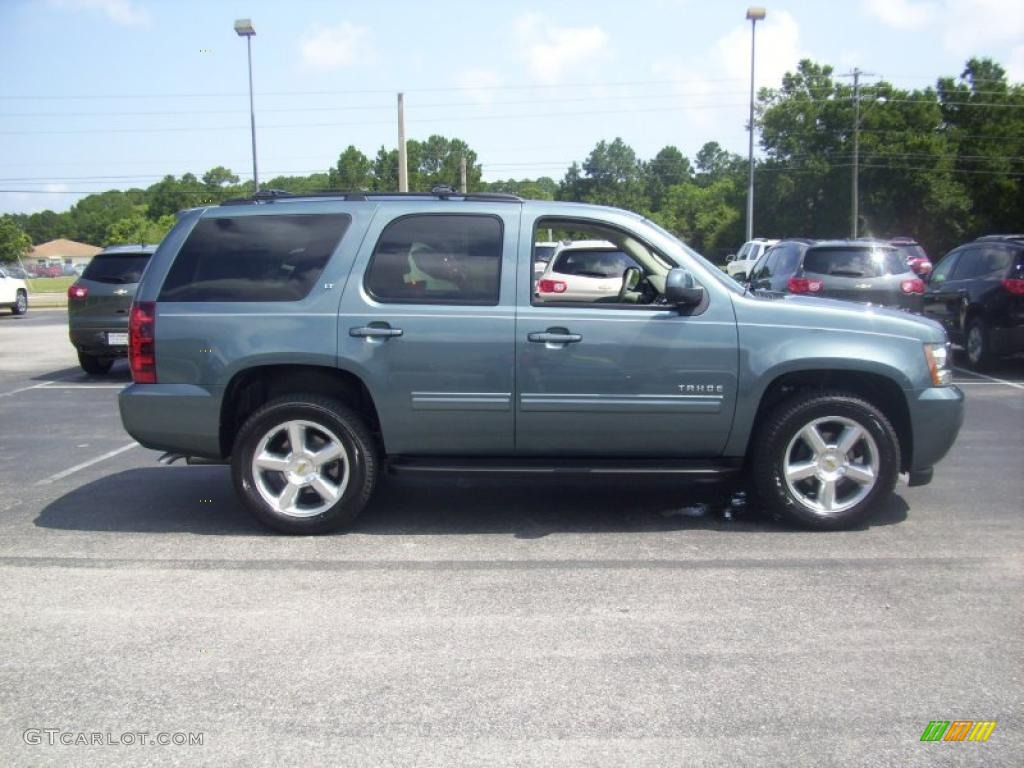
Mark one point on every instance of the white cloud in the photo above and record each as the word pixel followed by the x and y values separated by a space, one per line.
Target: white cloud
pixel 1015 65
pixel 901 14
pixel 967 27
pixel 550 51
pixel 123 12
pixel 778 50
pixel 972 26
pixel 329 48
pixel 478 82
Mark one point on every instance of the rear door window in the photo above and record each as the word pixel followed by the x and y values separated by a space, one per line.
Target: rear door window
pixel 854 262
pixel 438 259
pixel 981 262
pixel 116 268
pixel 254 258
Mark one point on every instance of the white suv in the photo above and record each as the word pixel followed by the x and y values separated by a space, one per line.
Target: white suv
pixel 739 266
pixel 13 293
pixel 585 270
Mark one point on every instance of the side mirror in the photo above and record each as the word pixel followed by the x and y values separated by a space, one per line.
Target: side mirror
pixel 682 290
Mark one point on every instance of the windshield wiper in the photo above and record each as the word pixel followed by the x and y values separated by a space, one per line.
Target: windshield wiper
pixel 846 272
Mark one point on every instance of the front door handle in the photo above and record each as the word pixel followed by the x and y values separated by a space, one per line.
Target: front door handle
pixel 375 332
pixel 551 337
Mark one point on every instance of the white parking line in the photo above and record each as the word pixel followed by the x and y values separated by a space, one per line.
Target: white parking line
pixel 23 389
pixel 1013 384
pixel 87 386
pixel 84 464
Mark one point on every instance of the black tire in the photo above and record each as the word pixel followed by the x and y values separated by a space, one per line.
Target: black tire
pixel 779 430
pixel 20 305
pixel 95 366
pixel 337 419
pixel 979 349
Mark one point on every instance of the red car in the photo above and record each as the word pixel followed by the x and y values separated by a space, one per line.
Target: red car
pixel 48 271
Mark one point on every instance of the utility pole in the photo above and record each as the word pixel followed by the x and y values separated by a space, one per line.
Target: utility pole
pixel 403 160
pixel 462 174
pixel 854 181
pixel 855 193
pixel 754 15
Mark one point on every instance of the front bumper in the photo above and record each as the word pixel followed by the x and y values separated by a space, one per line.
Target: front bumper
pixel 936 415
pixel 180 418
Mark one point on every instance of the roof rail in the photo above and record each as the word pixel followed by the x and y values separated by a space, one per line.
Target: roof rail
pixel 440 192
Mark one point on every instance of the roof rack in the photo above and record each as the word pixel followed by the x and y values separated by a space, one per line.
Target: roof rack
pixel 998 238
pixel 437 193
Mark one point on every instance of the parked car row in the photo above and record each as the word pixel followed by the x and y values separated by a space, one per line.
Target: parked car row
pixel 976 292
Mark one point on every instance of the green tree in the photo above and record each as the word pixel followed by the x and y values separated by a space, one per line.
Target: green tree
pixel 139 229
pixel 668 168
pixel 44 226
pixel 14 243
pixel 352 172
pixel 217 178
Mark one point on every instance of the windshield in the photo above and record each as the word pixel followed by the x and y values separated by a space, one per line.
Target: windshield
pixel 912 250
pixel 713 270
pixel 116 267
pixel 854 262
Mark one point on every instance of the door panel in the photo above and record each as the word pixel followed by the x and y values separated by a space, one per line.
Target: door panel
pixel 943 295
pixel 622 382
pixel 443 386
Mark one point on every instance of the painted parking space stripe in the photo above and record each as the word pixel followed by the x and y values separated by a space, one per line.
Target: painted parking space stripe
pixel 71 470
pixel 1014 384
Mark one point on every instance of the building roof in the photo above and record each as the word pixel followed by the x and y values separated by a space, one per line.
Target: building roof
pixel 63 247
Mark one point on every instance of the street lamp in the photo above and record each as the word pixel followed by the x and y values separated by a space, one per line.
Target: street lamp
pixel 244 28
pixel 754 14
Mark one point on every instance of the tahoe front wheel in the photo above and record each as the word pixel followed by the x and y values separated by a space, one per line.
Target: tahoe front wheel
pixel 304 464
pixel 825 459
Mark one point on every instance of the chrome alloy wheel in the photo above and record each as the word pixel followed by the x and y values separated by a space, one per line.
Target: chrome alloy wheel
pixel 300 468
pixel 22 303
pixel 831 464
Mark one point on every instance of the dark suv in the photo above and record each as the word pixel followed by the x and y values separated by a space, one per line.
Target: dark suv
pixel 309 341
pixel 977 293
pixel 98 305
pixel 871 272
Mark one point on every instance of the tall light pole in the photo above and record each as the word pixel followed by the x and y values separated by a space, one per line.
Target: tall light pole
pixel 244 28
pixel 754 14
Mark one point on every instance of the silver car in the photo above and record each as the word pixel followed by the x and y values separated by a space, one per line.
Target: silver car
pixel 585 270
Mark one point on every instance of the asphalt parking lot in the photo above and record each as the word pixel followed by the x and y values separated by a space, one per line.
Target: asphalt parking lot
pixel 492 623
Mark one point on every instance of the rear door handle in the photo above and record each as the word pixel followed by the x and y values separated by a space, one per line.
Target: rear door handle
pixel 375 332
pixel 547 337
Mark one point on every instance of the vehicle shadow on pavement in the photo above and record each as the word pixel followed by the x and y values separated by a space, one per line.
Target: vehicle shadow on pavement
pixel 119 374
pixel 201 500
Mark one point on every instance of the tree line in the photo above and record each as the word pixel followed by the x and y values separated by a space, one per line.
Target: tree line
pixel 941 164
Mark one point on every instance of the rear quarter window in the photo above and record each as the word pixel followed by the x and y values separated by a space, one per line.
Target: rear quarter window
pixel 437 259
pixel 855 262
pixel 254 258
pixel 116 268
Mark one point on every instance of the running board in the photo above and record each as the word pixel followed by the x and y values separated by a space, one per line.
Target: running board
pixel 692 468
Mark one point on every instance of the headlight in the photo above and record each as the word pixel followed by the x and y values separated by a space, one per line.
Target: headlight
pixel 940 361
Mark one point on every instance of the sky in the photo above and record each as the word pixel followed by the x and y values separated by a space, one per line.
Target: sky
pixel 101 94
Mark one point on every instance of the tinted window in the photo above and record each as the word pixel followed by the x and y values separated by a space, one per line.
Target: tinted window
pixel 787 261
pixel 595 263
pixel 945 267
pixel 253 258
pixel 543 252
pixel 445 259
pixel 116 267
pixel 988 261
pixel 855 262
pixel 912 250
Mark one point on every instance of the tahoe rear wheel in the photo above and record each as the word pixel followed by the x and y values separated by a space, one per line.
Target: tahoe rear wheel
pixel 824 459
pixel 96 366
pixel 304 464
pixel 20 306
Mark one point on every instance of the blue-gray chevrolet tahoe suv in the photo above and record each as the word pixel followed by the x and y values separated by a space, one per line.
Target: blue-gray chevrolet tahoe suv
pixel 310 341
